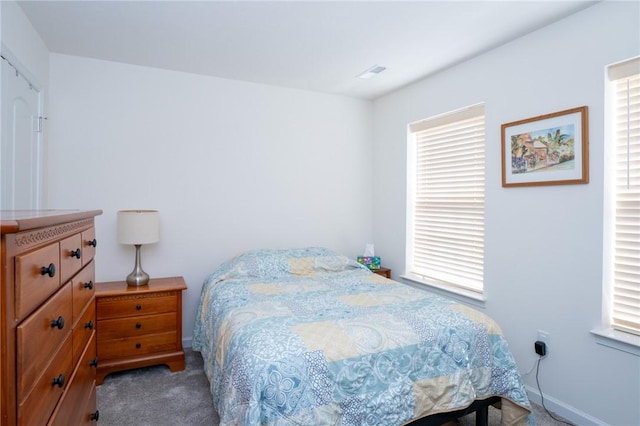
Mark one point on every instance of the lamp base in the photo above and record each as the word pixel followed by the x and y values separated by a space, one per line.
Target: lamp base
pixel 137 277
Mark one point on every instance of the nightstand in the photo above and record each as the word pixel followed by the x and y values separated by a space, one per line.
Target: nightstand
pixel 139 326
pixel 385 272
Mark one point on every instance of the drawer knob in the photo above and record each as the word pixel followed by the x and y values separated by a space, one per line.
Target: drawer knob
pixel 76 253
pixel 48 270
pixel 92 243
pixel 95 415
pixel 89 325
pixel 93 362
pixel 138 345
pixel 138 307
pixel 138 325
pixel 58 323
pixel 89 285
pixel 59 381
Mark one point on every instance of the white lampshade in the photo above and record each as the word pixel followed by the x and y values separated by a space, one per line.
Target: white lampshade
pixel 138 226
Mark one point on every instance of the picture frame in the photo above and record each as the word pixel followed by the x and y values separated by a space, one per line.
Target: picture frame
pixel 550 149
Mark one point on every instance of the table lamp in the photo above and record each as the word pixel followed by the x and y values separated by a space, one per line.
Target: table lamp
pixel 138 227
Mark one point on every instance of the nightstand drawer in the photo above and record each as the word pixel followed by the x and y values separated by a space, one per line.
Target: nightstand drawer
pixel 126 306
pixel 136 326
pixel 137 345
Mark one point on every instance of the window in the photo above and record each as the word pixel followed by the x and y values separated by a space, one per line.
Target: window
pixel 622 201
pixel 445 211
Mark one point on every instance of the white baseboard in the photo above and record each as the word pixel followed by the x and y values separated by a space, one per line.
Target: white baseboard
pixel 563 410
pixel 186 342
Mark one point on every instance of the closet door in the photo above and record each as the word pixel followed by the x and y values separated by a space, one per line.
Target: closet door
pixel 21 155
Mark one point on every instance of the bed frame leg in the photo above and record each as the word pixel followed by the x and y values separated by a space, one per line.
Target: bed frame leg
pixel 482 416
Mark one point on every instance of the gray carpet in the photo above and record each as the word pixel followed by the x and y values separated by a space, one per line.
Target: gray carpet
pixel 154 396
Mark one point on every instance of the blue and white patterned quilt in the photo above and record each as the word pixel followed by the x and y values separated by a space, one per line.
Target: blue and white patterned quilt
pixel 309 337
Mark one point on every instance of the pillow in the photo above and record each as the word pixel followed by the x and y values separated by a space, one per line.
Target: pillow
pixel 277 263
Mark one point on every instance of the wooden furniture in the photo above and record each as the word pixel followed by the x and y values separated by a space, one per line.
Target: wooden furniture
pixel 139 326
pixel 385 272
pixel 47 337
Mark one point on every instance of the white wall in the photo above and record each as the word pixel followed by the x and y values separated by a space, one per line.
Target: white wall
pixel 230 166
pixel 543 259
pixel 19 36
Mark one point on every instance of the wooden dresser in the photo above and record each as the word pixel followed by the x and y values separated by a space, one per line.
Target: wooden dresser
pixel 139 326
pixel 47 335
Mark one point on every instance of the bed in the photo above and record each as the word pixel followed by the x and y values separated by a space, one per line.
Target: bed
pixel 310 337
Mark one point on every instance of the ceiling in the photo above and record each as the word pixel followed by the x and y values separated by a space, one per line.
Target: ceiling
pixel 312 45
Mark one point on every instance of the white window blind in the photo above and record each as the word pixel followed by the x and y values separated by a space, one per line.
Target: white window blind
pixel 625 191
pixel 445 235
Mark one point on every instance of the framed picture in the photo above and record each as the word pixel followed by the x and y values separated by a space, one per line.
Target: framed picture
pixel 551 149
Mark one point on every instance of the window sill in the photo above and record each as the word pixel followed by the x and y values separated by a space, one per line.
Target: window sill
pixel 458 294
pixel 619 340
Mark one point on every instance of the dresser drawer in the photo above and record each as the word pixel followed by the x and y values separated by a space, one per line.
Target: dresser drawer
pixel 125 306
pixel 38 405
pixel 91 413
pixel 70 257
pixel 138 345
pixel 40 335
pixel 72 409
pixel 89 244
pixel 83 289
pixel 80 413
pixel 83 330
pixel 136 326
pixel 37 276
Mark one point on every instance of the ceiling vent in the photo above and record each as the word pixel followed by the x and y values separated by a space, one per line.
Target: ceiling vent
pixel 371 72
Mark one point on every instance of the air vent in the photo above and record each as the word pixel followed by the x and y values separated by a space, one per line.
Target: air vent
pixel 371 72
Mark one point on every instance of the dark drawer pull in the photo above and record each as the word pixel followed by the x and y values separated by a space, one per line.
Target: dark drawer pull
pixel 95 415
pixel 50 270
pixel 58 381
pixel 76 253
pixel 92 243
pixel 89 285
pixel 89 325
pixel 138 345
pixel 138 325
pixel 138 307
pixel 93 362
pixel 58 323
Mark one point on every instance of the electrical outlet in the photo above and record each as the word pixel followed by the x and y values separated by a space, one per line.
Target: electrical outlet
pixel 543 336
